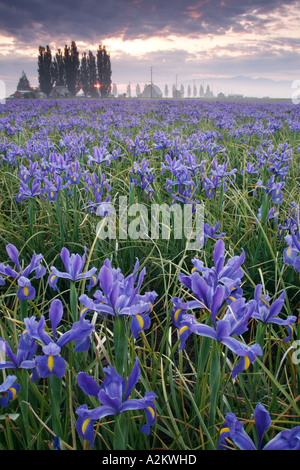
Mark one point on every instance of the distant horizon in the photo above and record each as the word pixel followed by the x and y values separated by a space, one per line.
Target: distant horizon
pixel 226 85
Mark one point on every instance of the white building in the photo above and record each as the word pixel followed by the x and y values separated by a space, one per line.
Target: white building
pixel 151 91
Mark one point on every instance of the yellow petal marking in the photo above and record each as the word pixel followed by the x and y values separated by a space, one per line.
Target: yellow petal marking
pixel 84 426
pixel 183 329
pixel 83 310
pixel 224 430
pixel 13 390
pixel 50 362
pixel 140 320
pixel 177 313
pixel 151 411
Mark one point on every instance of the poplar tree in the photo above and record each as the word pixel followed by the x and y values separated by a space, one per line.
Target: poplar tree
pixel 92 74
pixel 59 68
pixel 84 75
pixel 45 74
pixel 72 66
pixel 104 71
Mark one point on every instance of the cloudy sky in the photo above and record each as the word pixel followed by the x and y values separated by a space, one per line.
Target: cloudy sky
pixel 189 41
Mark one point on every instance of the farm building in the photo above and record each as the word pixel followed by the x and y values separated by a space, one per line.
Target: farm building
pixel 60 91
pixel 151 91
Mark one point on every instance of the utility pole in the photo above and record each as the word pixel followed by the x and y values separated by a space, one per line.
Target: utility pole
pixel 151 80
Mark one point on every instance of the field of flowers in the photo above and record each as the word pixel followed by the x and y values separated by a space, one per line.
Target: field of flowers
pixel 139 342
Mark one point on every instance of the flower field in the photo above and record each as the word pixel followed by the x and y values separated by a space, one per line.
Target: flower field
pixel 135 341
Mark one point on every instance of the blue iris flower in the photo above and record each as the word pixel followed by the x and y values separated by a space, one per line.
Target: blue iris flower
pixel 25 174
pixel 51 362
pixel 234 430
pixel 26 191
pixel 74 265
pixel 119 295
pixel 25 357
pixel 143 177
pixel 271 214
pixel 53 186
pixel 114 396
pixel 220 170
pixel 216 289
pixel 224 331
pixel 20 274
pixel 10 389
pixel 100 155
pixel 268 313
pixel 212 286
pixel 183 188
pixel 291 254
pixel 210 232
pixel 273 188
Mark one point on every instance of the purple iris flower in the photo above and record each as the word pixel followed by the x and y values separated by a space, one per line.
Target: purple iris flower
pixel 291 254
pixel 184 185
pixel 234 430
pixel 268 313
pixel 142 176
pixel 210 185
pixel 20 274
pixel 56 443
pixel 25 174
pixel 75 173
pixel 275 189
pixel 210 232
pixel 120 296
pixel 224 331
pixel 26 192
pixel 251 169
pixel 24 359
pixel 98 184
pixel 221 170
pixel 137 146
pixel 10 389
pixel 53 187
pixel 276 192
pixel 271 214
pixel 193 165
pixel 51 361
pixel 58 163
pixel 214 289
pixel 291 224
pixel 74 265
pixel 100 207
pixel 172 164
pixel 114 396
pixel 215 285
pixel 100 155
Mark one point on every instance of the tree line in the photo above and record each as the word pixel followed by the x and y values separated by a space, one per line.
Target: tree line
pixel 65 68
